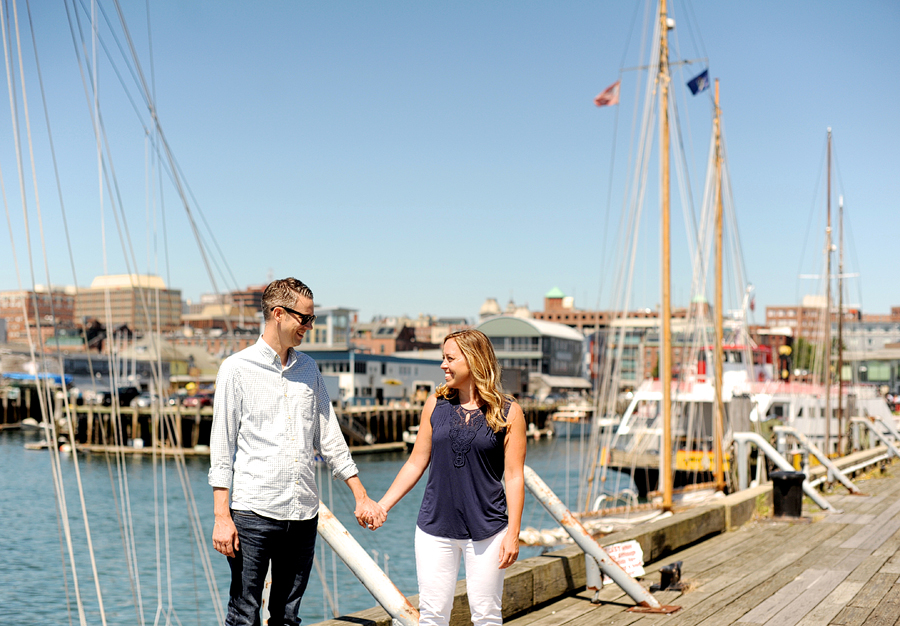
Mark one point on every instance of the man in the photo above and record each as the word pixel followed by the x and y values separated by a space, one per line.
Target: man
pixel 271 413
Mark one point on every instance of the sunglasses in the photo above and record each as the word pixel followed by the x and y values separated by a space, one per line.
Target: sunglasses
pixel 305 319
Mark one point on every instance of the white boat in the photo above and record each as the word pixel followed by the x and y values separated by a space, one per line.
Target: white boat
pixel 409 437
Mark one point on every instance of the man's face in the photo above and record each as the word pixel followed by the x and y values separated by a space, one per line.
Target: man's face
pixel 292 329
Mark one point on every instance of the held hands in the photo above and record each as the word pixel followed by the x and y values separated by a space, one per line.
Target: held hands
pixel 370 514
pixel 509 549
pixel 225 537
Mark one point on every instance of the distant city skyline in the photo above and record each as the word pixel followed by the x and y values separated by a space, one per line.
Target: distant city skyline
pixel 418 157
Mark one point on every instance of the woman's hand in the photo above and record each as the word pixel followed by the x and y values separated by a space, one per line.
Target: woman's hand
pixel 509 549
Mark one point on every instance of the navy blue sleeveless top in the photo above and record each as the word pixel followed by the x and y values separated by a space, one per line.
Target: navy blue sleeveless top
pixel 464 498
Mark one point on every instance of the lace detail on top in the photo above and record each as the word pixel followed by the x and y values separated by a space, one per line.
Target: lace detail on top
pixel 464 425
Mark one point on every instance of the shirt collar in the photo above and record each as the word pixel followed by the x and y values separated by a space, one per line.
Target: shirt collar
pixel 270 356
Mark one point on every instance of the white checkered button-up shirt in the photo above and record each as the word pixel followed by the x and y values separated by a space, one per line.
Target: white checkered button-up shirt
pixel 268 422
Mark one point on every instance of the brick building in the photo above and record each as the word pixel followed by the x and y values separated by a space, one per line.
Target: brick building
pixel 55 308
pixel 128 295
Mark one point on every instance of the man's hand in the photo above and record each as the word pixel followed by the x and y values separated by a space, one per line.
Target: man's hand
pixel 225 537
pixel 369 513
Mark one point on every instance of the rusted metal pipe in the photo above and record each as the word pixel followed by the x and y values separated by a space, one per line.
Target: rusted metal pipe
pixel 365 569
pixel 586 542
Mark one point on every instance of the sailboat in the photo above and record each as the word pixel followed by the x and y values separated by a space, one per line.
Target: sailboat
pixel 675 430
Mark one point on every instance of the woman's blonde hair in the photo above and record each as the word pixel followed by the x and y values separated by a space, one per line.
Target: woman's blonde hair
pixel 485 370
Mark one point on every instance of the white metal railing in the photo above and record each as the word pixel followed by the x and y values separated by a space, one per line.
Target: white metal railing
pixel 870 424
pixel 365 569
pixel 742 442
pixel 597 560
pixel 781 433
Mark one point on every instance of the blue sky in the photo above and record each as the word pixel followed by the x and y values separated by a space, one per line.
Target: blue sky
pixel 419 157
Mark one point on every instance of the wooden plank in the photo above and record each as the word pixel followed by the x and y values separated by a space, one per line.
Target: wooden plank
pixel 549 609
pixel 791 593
pixel 703 607
pixel 874 590
pixel 848 518
pixel 889 547
pixel 885 525
pixel 800 606
pixel 773 574
pixel 865 570
pixel 887 612
pixel 839 558
pixel 851 616
pixel 564 614
pixel 831 605
pixel 730 583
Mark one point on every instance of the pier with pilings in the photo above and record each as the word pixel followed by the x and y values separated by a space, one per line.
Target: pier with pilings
pixel 375 427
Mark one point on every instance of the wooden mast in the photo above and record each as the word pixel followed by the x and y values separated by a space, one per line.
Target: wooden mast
pixel 720 405
pixel 840 325
pixel 666 313
pixel 828 310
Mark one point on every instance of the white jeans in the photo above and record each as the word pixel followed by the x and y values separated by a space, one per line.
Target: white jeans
pixel 437 566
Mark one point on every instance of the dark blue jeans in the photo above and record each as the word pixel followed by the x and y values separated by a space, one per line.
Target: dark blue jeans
pixel 290 546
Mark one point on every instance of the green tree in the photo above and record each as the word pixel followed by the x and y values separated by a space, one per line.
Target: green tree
pixel 804 354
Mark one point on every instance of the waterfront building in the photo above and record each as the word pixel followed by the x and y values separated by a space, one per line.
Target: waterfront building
pixel 55 309
pixel 364 378
pixel 331 330
pixel 143 302
pixel 223 317
pixel 403 334
pixel 251 297
pixel 879 367
pixel 550 354
pixel 869 334
pixel 561 309
pixel 807 320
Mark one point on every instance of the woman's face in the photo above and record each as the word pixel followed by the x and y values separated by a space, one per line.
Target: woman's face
pixel 455 366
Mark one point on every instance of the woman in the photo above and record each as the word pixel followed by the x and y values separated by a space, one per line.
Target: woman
pixel 472 435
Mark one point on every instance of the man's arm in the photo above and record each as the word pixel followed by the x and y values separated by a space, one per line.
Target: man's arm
pixel 225 537
pixel 222 445
pixel 368 513
pixel 329 440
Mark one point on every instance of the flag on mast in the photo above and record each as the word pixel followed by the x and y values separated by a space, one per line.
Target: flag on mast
pixel 699 83
pixel 608 96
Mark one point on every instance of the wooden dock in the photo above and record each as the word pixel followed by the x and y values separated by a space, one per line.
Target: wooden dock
pixel 739 566
pixel 841 569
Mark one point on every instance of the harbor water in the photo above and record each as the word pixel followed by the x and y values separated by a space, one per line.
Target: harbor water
pixel 35 587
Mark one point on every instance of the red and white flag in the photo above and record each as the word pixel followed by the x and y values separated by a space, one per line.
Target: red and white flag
pixel 608 96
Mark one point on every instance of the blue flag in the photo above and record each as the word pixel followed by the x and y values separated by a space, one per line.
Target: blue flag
pixel 699 83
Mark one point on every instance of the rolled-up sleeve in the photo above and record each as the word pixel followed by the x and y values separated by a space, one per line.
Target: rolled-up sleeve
pixel 226 419
pixel 329 439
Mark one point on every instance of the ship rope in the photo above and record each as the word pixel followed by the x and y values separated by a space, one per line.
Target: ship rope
pixel 116 345
pixel 695 335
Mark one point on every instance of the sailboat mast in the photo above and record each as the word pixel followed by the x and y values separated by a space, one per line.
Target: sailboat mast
pixel 720 405
pixel 840 325
pixel 828 310
pixel 666 313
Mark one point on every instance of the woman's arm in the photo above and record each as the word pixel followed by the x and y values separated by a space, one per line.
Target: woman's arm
pixel 417 462
pixel 514 476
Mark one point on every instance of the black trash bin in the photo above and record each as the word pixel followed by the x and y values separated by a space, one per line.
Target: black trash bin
pixel 787 493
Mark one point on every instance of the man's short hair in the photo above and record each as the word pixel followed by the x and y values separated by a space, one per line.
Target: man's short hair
pixel 283 292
